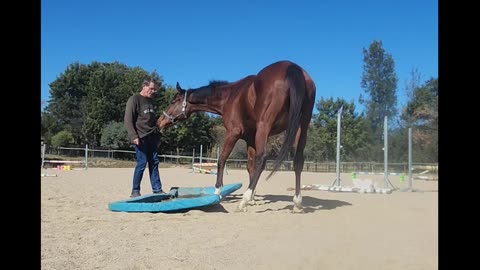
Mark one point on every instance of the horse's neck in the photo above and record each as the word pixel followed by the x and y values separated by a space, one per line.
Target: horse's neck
pixel 213 100
pixel 207 100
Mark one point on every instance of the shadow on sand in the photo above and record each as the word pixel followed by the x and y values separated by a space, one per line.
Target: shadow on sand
pixel 310 204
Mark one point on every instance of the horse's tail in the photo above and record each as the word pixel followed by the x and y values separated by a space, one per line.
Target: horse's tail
pixel 297 86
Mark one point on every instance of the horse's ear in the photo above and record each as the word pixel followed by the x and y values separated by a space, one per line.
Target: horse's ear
pixel 179 89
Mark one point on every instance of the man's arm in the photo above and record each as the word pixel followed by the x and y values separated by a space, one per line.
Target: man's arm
pixel 129 120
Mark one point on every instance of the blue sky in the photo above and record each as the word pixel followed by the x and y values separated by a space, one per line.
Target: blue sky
pixel 193 42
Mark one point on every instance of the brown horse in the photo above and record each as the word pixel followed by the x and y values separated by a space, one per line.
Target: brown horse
pixel 279 98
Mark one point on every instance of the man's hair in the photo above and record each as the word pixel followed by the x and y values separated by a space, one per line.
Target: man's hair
pixel 147 82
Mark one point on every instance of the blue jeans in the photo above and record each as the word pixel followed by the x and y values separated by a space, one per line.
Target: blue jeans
pixel 146 152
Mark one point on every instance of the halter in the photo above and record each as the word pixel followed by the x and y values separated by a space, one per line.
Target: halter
pixel 184 105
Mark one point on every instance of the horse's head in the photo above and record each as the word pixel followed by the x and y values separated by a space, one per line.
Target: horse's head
pixel 176 111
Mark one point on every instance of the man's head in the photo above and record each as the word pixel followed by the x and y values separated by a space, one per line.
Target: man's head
pixel 148 88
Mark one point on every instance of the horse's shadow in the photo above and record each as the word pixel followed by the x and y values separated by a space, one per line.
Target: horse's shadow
pixel 214 208
pixel 310 204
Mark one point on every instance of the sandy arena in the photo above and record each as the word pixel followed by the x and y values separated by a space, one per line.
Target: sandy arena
pixel 336 231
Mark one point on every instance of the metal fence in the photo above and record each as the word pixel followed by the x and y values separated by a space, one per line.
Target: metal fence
pixel 188 159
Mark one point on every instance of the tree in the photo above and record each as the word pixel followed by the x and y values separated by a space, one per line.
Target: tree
pixel 322 138
pixel 379 82
pixel 62 138
pixel 115 136
pixel 196 130
pixel 88 97
pixel 49 127
pixel 239 151
pixel 421 113
pixel 413 83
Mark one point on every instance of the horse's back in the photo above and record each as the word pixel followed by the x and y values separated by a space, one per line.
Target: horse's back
pixel 275 70
pixel 278 71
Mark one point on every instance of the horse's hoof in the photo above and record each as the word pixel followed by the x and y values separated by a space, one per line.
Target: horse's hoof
pixel 296 210
pixel 240 210
pixel 242 207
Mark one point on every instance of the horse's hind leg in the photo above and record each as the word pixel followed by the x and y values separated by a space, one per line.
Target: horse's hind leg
pixel 298 162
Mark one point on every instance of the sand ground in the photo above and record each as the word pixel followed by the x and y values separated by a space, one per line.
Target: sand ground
pixel 336 231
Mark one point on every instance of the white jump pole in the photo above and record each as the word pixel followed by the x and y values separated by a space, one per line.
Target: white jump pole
pixel 336 185
pixel 193 159
pixel 336 182
pixel 43 154
pixel 201 153
pixel 387 183
pixel 410 177
pixel 86 156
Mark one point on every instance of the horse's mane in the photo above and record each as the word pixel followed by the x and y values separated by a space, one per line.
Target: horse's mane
pixel 201 93
pixel 215 83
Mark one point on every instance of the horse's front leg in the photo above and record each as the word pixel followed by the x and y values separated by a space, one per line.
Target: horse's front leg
pixel 231 137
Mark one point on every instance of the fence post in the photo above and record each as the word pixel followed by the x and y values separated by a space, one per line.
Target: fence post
pixel 86 156
pixel 201 152
pixel 43 154
pixel 178 153
pixel 193 158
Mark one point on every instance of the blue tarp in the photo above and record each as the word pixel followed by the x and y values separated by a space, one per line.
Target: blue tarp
pixel 177 199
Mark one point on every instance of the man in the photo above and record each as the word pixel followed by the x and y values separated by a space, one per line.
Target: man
pixel 142 131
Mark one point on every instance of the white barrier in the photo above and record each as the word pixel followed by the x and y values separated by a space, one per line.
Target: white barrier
pixel 336 185
pixel 204 168
pixel 48 175
pixel 358 188
pixel 67 168
pixel 372 173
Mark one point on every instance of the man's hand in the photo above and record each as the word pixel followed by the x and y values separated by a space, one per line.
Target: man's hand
pixel 136 141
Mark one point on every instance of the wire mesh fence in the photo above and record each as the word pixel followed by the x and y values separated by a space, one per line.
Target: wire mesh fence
pixel 189 158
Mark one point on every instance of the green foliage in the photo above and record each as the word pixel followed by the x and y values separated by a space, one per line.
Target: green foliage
pixel 217 120
pixel 422 108
pixel 397 145
pixel 87 97
pixel 239 151
pixel 379 82
pixel 87 106
pixel 421 113
pixel 62 138
pixel 49 127
pixel 315 147
pixel 163 98
pixel 322 138
pixel 115 136
pixel 189 134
